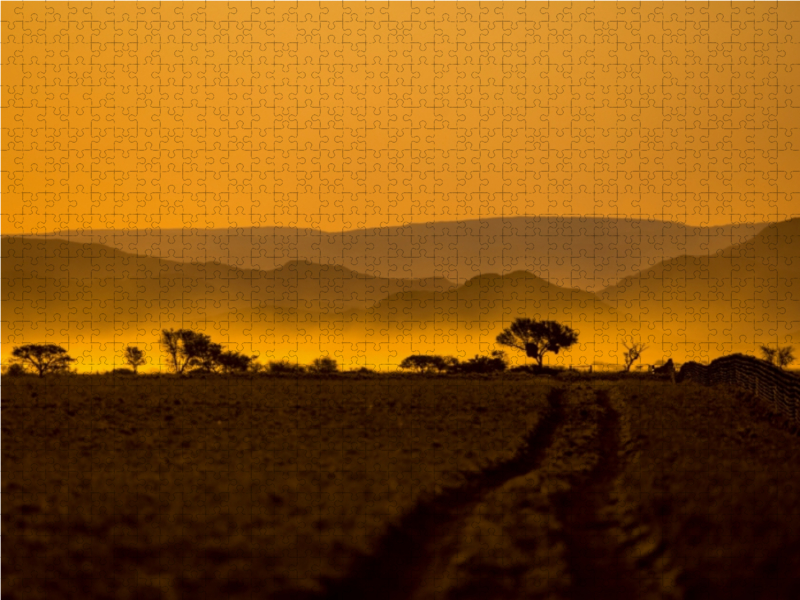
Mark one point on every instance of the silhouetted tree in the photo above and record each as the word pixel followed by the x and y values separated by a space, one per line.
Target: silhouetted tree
pixel 187 349
pixel 134 357
pixel 769 354
pixel 234 362
pixel 207 354
pixel 43 358
pixel 324 364
pixel 780 357
pixel 536 338
pixel 633 353
pixel 785 356
pixel 427 363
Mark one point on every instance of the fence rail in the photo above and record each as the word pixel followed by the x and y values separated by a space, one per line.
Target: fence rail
pixel 760 378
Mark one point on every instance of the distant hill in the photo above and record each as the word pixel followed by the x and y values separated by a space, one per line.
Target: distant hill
pixel 496 298
pixel 467 319
pixel 733 300
pixel 98 298
pixel 578 252
pixel 69 290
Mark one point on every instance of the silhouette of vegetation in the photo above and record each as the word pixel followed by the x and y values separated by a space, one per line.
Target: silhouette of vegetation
pixel 122 371
pixel 424 363
pixel 234 362
pixel 190 351
pixel 633 352
pixel 42 358
pixel 769 354
pixel 324 364
pixel 780 357
pixel 180 347
pixel 785 356
pixel 206 354
pixel 15 370
pixel 365 371
pixel 496 363
pixel 537 370
pixel 285 367
pixel 135 358
pixel 537 338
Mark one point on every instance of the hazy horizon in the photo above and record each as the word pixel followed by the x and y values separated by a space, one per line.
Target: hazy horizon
pixel 763 220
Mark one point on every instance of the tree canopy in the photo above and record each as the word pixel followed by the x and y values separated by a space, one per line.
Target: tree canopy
pixel 134 357
pixel 43 358
pixel 537 338
pixel 189 350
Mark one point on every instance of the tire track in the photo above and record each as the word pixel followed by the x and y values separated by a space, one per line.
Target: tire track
pixel 597 565
pixel 414 553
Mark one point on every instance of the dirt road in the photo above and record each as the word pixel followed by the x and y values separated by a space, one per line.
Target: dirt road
pixel 544 524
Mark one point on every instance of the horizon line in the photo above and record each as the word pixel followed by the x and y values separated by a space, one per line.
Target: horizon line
pixel 660 219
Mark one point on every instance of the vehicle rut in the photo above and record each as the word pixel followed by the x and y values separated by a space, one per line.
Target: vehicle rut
pixel 415 552
pixel 596 564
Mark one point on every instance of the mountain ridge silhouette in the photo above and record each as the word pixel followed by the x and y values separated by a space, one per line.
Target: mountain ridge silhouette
pixel 585 252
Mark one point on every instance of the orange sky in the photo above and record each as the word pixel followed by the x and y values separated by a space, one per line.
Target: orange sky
pixel 213 115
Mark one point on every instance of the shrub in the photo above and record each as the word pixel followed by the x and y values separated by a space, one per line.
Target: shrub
pixel 537 370
pixel 284 367
pixel 324 364
pixel 496 363
pixel 122 371
pixel 15 370
pixel 234 362
pixel 425 363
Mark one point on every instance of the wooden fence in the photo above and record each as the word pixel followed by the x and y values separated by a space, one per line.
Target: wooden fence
pixel 756 376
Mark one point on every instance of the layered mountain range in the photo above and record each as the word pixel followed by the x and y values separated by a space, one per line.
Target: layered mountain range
pixel 577 252
pixel 713 290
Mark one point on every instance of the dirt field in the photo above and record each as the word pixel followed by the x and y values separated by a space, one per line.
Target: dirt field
pixel 168 488
pixel 394 487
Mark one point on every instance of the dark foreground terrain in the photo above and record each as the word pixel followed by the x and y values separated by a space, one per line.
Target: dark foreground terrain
pixel 394 487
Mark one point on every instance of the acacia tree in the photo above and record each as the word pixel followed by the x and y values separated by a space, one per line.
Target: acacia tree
pixel 633 353
pixel 43 358
pixel 537 338
pixel 134 357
